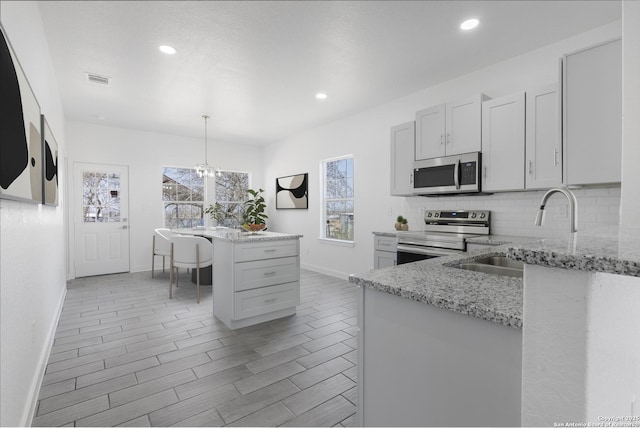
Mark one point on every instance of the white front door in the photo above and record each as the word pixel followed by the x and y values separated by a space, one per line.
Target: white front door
pixel 100 217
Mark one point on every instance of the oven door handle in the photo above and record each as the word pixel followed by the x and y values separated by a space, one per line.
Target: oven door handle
pixel 426 251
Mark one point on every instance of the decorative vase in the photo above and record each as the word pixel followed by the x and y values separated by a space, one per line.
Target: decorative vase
pixel 398 226
pixel 404 227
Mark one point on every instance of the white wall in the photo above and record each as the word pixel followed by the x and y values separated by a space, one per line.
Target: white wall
pixel 630 209
pixel 32 240
pixel 108 145
pixel 366 136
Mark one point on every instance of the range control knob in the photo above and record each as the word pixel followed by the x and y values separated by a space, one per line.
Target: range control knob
pixel 473 215
pixel 483 215
pixel 429 215
pixel 436 215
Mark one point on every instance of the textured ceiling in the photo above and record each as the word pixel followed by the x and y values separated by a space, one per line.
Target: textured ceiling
pixel 255 67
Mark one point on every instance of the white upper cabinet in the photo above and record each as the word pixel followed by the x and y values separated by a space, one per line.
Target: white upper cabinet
pixel 544 143
pixel 402 152
pixel 503 136
pixel 592 114
pixel 430 133
pixel 449 129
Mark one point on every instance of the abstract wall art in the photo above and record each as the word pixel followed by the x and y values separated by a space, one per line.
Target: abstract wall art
pixel 49 165
pixel 20 141
pixel 292 192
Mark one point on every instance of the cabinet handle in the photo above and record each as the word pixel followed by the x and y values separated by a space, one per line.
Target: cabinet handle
pixel 269 273
pixel 270 300
pixel 555 157
pixel 270 250
pixel 410 178
pixel 530 167
pixel 448 139
pixel 485 172
pixel 441 139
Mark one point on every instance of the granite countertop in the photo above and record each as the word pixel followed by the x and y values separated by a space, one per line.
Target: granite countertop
pixel 434 281
pixel 237 235
pixel 614 249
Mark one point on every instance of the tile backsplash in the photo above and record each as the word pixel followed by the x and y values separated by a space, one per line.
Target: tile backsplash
pixel 514 213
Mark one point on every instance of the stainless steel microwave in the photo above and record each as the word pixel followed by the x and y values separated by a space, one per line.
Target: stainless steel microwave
pixel 448 174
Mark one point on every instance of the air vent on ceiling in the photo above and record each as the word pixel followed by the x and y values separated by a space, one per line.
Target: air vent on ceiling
pixel 98 79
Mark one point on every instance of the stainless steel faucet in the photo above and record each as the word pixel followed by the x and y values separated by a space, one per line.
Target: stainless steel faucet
pixel 573 207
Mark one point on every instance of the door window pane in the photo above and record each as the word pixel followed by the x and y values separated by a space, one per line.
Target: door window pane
pixel 100 197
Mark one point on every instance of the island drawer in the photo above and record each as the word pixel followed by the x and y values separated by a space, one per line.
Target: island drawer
pixel 244 252
pixel 262 273
pixel 263 300
pixel 385 243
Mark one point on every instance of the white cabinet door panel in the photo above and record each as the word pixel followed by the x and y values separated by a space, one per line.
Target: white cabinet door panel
pixel 543 143
pixel 592 102
pixel 464 126
pixel 402 154
pixel 503 143
pixel 430 132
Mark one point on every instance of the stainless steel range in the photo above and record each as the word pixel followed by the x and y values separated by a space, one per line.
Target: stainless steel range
pixel 445 233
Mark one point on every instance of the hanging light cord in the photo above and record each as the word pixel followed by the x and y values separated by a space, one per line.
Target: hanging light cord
pixel 206 160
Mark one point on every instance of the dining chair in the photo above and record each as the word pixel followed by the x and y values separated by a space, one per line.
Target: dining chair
pixel 161 247
pixel 189 252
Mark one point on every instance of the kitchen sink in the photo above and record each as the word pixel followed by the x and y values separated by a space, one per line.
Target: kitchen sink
pixel 495 265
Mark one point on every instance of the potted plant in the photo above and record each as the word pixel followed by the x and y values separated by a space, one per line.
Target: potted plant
pixel 215 212
pixel 254 215
pixel 401 223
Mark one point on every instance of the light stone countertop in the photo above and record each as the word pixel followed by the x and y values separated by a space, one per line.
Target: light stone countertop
pixel 237 235
pixel 613 249
pixel 434 281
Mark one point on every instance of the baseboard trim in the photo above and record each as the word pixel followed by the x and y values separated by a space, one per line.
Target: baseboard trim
pixel 34 391
pixel 330 272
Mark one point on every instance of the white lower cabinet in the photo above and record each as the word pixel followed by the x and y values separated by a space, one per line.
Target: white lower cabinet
pixel 256 281
pixel 384 251
pixel 419 365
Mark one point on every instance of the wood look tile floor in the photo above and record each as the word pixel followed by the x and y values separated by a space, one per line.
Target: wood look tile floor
pixel 124 354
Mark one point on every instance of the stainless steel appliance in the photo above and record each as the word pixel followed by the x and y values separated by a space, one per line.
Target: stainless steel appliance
pixel 448 174
pixel 445 233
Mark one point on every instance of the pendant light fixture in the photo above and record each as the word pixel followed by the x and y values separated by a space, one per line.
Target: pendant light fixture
pixel 205 170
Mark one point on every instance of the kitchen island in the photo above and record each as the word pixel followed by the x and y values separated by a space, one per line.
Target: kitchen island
pixel 581 338
pixel 256 276
pixel 439 345
pixel 564 338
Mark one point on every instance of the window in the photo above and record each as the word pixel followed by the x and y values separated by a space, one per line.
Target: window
pixel 183 196
pixel 231 192
pixel 100 197
pixel 338 199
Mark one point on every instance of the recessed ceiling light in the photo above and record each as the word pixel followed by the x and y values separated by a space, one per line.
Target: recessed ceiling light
pixel 321 96
pixel 167 49
pixel 469 24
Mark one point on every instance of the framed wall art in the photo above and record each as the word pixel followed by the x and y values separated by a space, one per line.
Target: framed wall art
pixel 292 192
pixel 49 165
pixel 20 141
